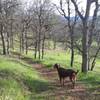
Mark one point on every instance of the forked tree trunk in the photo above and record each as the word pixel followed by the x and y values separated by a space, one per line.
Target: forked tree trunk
pixel 85 38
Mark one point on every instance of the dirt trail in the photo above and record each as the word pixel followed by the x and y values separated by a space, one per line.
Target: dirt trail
pixel 59 92
pixel 80 92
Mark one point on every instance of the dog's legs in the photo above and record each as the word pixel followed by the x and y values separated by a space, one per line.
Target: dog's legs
pixel 70 78
pixel 73 81
pixel 60 80
pixel 63 81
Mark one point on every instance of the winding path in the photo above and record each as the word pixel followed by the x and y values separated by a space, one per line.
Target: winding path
pixel 80 92
pixel 66 92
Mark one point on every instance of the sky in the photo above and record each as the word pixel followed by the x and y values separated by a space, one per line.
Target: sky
pixel 82 5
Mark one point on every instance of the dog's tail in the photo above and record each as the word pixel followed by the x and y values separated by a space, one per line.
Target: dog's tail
pixel 76 72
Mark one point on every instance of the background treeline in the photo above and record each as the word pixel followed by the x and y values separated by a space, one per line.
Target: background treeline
pixel 36 26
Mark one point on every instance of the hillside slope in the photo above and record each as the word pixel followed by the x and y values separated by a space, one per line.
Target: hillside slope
pixel 18 81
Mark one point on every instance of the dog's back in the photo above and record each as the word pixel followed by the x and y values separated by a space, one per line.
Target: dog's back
pixel 65 72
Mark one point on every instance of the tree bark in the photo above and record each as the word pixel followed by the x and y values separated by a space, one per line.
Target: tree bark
pixel 26 44
pixel 22 41
pixel 35 54
pixel 11 36
pixel 3 41
pixel 85 49
pixel 39 37
pixel 8 43
pixel 93 62
pixel 43 44
pixel 72 49
pixel 20 44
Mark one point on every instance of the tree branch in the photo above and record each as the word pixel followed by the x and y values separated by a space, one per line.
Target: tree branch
pixel 93 22
pixel 77 9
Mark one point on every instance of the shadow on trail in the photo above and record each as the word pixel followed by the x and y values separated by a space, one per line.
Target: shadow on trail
pixel 33 85
pixel 30 60
pixel 24 58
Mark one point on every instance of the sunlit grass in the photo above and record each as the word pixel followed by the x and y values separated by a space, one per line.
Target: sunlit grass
pixel 55 56
pixel 19 81
pixel 91 79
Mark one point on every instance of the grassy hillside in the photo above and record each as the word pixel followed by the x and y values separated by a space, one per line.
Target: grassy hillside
pixel 18 81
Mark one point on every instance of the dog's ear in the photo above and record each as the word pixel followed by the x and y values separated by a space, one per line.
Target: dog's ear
pixel 55 65
pixel 77 71
pixel 58 65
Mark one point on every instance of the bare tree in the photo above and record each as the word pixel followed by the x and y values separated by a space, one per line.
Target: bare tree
pixel 1 27
pixel 8 8
pixel 42 12
pixel 71 25
pixel 85 37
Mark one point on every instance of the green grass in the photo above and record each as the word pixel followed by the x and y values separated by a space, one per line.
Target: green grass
pixel 18 81
pixel 62 58
pixel 56 56
pixel 91 79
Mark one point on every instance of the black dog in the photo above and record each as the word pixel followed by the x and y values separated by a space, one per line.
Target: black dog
pixel 62 72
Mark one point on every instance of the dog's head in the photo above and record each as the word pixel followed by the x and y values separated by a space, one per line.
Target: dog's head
pixel 74 75
pixel 55 66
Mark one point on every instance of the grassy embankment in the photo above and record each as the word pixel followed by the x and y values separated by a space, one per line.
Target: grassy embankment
pixel 18 80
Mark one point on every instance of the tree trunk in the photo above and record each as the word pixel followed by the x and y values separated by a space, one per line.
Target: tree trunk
pixel 93 62
pixel 20 44
pixel 39 46
pixel 85 49
pixel 35 54
pixel 8 43
pixel 22 39
pixel 72 56
pixel 54 44
pixel 11 36
pixel 72 49
pixel 89 60
pixel 39 41
pixel 3 41
pixel 26 44
pixel 43 46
